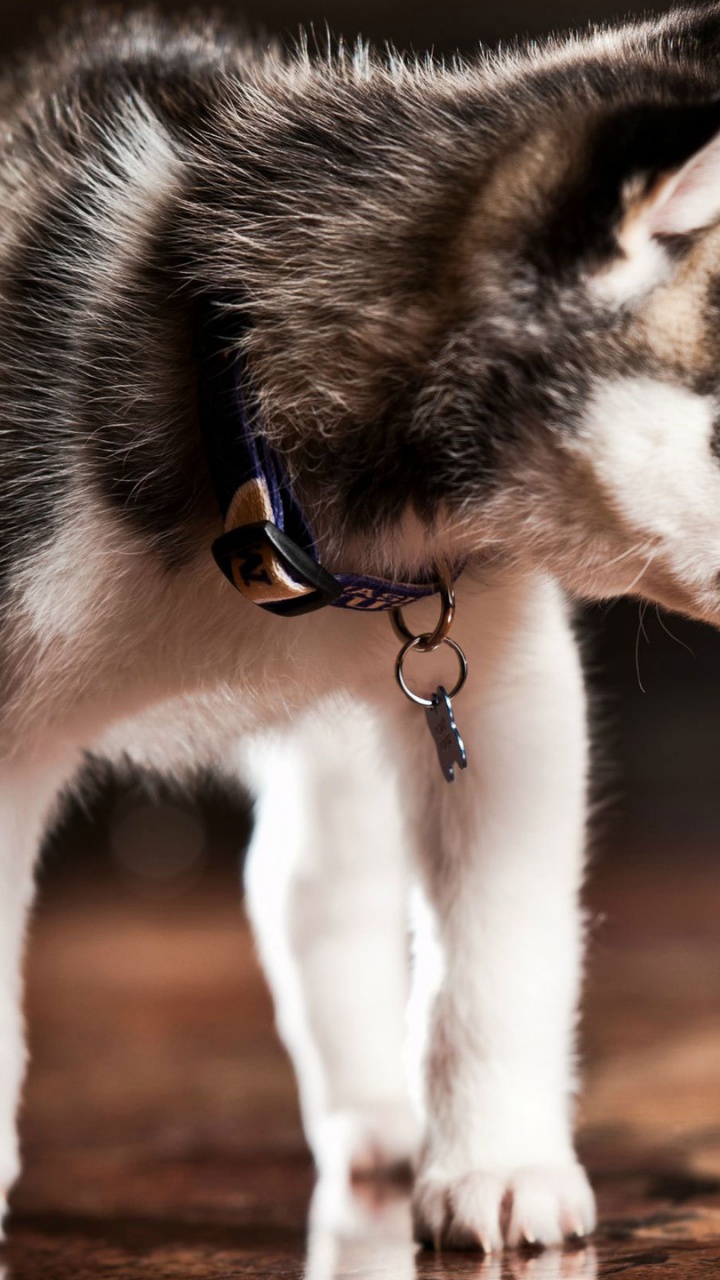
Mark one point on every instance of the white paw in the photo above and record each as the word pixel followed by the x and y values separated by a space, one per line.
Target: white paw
pixel 366 1141
pixel 9 1173
pixel 4 1213
pixel 539 1205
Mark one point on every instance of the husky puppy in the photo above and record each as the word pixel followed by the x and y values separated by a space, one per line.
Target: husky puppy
pixel 476 311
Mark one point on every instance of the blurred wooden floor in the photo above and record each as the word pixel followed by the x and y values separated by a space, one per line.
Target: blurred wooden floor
pixel 161 1131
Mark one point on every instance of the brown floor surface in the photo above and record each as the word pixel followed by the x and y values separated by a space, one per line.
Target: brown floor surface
pixel 161 1130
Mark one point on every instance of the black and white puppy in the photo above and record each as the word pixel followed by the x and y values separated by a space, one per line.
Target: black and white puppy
pixel 476 315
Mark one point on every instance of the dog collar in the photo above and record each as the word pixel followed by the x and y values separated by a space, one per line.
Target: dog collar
pixel 268 550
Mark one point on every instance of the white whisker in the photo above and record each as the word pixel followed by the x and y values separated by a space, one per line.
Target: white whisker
pixel 627 590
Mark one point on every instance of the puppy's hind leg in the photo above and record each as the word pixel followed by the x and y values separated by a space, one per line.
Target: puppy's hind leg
pixel 27 792
pixel 326 892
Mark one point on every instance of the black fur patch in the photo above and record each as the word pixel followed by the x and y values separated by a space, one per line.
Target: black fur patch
pixel 639 141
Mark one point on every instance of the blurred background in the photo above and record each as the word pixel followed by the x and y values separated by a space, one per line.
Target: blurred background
pixel 443 27
pixel 656 679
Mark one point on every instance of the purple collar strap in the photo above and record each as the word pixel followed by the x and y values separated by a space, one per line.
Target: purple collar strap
pixel 268 551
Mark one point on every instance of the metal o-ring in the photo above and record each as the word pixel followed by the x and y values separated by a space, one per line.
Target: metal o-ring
pixel 429 640
pixel 414 643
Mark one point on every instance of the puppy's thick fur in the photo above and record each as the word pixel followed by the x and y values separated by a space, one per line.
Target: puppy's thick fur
pixel 483 328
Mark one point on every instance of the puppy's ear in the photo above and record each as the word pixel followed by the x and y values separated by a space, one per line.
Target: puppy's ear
pixel 668 163
pixel 688 200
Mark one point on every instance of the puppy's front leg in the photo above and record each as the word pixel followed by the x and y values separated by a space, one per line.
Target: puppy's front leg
pixel 327 895
pixel 501 859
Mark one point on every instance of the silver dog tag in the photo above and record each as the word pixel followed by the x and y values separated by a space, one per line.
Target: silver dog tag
pixel 446 736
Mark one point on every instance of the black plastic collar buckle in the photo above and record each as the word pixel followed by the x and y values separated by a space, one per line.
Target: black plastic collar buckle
pixel 244 554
